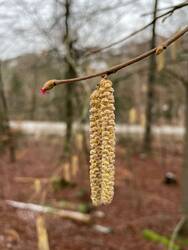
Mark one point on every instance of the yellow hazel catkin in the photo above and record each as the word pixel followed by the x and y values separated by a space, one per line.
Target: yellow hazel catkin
pixel 108 141
pixel 102 142
pixel 95 148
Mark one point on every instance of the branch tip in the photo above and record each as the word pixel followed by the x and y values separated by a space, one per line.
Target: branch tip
pixel 42 91
pixel 47 86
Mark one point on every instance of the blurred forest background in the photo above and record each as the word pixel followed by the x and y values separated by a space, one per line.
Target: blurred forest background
pixel 44 140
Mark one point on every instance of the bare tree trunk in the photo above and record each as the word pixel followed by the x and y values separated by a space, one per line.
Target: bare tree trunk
pixel 4 119
pixel 70 73
pixel 184 179
pixel 34 95
pixel 150 91
pixel 184 175
pixel 69 116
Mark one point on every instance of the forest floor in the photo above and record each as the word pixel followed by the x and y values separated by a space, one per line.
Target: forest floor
pixel 142 201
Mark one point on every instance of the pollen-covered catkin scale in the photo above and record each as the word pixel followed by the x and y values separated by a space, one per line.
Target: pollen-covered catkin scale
pixel 95 148
pixel 108 140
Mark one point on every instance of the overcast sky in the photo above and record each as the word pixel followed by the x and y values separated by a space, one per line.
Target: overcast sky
pixel 25 24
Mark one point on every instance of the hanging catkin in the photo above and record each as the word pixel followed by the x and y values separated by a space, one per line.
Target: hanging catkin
pixel 95 148
pixel 108 140
pixel 102 141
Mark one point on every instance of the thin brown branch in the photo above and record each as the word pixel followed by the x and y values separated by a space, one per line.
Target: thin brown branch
pixel 170 8
pixel 95 51
pixel 52 83
pixel 170 12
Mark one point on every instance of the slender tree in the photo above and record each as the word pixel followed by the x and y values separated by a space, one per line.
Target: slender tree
pixel 185 166
pixel 5 130
pixel 150 88
pixel 184 175
pixel 32 114
pixel 70 72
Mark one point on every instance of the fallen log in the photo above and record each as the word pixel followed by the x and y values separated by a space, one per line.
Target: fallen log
pixel 72 215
